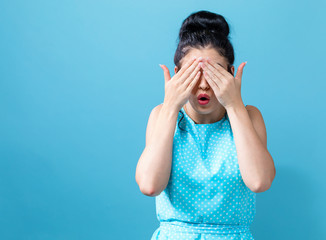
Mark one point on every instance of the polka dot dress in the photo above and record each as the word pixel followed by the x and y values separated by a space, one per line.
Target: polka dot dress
pixel 206 197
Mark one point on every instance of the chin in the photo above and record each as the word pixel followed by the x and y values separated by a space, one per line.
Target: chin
pixel 207 108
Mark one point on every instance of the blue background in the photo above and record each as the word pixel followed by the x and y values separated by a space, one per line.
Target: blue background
pixel 78 80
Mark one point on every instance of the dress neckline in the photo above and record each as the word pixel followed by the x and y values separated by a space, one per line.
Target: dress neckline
pixel 203 124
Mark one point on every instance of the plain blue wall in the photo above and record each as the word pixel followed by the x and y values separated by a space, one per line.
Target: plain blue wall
pixel 78 80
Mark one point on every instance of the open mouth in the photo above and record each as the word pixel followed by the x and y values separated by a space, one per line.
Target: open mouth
pixel 203 96
pixel 203 99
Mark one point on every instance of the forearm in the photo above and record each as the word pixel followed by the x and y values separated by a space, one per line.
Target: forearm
pixel 255 162
pixel 156 159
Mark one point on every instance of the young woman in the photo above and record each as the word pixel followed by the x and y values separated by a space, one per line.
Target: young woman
pixel 206 152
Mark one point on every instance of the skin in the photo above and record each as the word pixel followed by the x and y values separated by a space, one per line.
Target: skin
pixel 255 162
pixel 214 110
pixel 248 128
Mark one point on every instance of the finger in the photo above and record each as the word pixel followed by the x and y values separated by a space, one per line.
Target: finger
pixel 190 69
pixel 193 83
pixel 212 76
pixel 166 72
pixel 222 70
pixel 185 67
pixel 212 83
pixel 238 76
pixel 193 74
pixel 217 73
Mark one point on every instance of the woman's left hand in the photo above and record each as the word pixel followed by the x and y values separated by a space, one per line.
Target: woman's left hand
pixel 226 87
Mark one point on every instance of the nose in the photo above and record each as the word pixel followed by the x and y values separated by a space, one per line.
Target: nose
pixel 203 84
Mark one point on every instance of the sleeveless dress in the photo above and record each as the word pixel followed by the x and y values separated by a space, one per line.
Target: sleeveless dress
pixel 206 197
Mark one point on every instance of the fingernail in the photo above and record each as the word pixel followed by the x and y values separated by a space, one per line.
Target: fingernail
pixel 194 57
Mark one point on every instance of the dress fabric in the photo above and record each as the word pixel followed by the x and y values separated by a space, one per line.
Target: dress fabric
pixel 206 198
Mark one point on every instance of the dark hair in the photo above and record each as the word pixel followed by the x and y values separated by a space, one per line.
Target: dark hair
pixel 204 29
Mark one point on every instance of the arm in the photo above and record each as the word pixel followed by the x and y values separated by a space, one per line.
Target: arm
pixel 154 166
pixel 255 162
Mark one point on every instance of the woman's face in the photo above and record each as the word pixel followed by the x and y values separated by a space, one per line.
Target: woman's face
pixel 202 86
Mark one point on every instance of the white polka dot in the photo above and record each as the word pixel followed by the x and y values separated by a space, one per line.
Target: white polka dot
pixel 206 197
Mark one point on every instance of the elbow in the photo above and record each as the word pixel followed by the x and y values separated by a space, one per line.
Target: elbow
pixel 147 189
pixel 147 186
pixel 258 188
pixel 262 187
pixel 144 190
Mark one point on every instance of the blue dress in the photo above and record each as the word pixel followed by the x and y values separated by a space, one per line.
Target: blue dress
pixel 206 197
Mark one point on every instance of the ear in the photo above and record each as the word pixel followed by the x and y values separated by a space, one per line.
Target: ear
pixel 232 70
pixel 175 69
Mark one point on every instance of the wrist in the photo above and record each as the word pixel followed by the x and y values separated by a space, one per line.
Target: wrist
pixel 235 106
pixel 168 109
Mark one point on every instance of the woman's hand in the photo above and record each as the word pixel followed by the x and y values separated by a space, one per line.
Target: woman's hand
pixel 227 88
pixel 179 87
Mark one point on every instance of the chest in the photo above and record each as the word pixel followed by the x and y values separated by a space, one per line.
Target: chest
pixel 203 157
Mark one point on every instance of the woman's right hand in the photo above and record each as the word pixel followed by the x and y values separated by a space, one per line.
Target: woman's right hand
pixel 179 87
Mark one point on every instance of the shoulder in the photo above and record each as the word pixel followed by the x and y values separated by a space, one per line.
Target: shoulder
pixel 253 111
pixel 258 122
pixel 156 110
pixel 152 120
pixel 251 107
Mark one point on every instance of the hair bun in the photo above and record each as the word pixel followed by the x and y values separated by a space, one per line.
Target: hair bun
pixel 203 22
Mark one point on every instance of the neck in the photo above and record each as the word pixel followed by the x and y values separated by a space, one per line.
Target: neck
pixel 205 118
